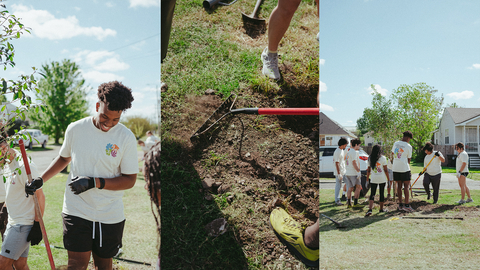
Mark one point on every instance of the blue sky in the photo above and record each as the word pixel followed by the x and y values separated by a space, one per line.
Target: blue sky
pixel 390 43
pixel 109 40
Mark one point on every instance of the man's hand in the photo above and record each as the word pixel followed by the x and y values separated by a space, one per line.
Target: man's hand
pixel 458 174
pixel 340 177
pixel 81 184
pixel 36 183
pixel 422 172
pixel 359 175
pixel 35 235
pixel 437 153
pixel 3 218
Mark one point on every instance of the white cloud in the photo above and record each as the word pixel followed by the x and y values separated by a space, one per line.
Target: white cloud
pixel 138 95
pixel 45 25
pixel 380 90
pixel 461 95
pixel 144 3
pixel 101 77
pixel 109 4
pixel 475 66
pixel 77 8
pixel 322 62
pixel 326 108
pixel 101 60
pixel 323 87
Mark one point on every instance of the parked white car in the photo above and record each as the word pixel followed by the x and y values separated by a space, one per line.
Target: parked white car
pixel 326 160
pixel 38 138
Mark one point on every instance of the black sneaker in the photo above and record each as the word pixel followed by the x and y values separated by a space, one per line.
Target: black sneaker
pixel 369 213
pixel 344 198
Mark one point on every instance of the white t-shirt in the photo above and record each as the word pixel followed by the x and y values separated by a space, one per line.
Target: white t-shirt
pixel 402 151
pixel 436 166
pixel 150 142
pixel 352 155
pixel 377 174
pixel 96 153
pixel 3 192
pixel 339 156
pixel 462 157
pixel 21 210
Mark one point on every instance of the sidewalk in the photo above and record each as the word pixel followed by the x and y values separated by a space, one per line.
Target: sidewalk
pixel 449 181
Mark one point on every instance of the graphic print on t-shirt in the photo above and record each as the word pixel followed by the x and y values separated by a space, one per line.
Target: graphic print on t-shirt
pixel 112 150
pixel 378 167
pixel 398 152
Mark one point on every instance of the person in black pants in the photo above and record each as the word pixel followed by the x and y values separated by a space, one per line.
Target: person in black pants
pixel 433 171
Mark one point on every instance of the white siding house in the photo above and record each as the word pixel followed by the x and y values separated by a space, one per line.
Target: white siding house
pixel 331 131
pixel 460 125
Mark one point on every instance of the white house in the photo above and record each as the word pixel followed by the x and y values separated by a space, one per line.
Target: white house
pixel 460 125
pixel 331 131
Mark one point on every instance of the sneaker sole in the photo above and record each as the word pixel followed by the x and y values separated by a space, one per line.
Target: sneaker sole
pixel 294 251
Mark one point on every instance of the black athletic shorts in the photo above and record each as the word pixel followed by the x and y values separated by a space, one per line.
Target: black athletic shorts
pixel 402 176
pixel 78 236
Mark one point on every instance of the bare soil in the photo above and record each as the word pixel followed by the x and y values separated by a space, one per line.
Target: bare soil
pixel 256 163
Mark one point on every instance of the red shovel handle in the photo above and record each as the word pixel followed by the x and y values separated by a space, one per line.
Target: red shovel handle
pixel 289 111
pixel 37 205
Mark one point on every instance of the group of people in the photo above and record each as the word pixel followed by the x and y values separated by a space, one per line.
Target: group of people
pixel 102 154
pixel 381 171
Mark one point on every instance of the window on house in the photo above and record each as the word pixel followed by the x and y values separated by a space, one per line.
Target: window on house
pixel 447 137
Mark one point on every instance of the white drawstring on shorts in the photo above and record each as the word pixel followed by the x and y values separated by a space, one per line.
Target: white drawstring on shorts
pixel 100 228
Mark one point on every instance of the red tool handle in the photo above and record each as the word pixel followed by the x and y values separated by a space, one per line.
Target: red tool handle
pixel 37 206
pixel 278 111
pixel 289 111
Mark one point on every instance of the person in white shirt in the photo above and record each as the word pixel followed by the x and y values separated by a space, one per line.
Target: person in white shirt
pixel 23 228
pixel 103 157
pixel 462 172
pixel 402 154
pixel 151 140
pixel 433 172
pixel 353 174
pixel 377 169
pixel 339 167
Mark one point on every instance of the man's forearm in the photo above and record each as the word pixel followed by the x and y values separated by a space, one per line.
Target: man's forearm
pixel 125 181
pixel 57 165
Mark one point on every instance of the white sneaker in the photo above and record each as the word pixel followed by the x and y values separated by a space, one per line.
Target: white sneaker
pixel 461 202
pixel 469 200
pixel 270 65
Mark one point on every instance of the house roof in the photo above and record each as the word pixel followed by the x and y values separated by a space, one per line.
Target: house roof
pixel 460 115
pixel 331 127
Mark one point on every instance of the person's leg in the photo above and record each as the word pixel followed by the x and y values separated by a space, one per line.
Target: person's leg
pixel 279 22
pixel 357 191
pixel 399 192
pixel 426 184
pixel 338 185
pixel 78 260
pixel 21 264
pixel 436 186
pixel 382 195
pixel 461 183
pixel 6 263
pixel 373 191
pixel 102 263
pixel 406 191
pixel 311 239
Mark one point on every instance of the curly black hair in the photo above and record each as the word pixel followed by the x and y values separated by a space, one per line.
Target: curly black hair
pixel 115 95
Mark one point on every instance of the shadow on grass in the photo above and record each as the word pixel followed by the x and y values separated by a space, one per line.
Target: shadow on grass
pixel 352 223
pixel 185 213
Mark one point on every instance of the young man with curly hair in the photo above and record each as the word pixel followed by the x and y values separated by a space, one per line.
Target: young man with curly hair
pixel 102 154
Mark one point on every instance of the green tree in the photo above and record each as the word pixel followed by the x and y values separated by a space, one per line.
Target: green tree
pixel 419 111
pixel 410 107
pixel 382 119
pixel 63 92
pixel 11 29
pixel 138 125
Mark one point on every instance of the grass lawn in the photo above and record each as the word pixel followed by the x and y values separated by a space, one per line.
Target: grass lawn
pixel 139 237
pixel 393 241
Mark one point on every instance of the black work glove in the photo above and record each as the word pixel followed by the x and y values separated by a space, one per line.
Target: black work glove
pixel 422 172
pixel 35 235
pixel 437 153
pixel 81 184
pixel 36 183
pixel 3 218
